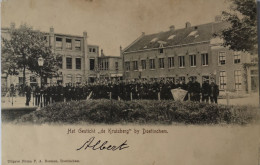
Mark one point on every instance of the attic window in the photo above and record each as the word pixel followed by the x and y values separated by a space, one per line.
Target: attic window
pixel 193 33
pixel 154 40
pixel 171 37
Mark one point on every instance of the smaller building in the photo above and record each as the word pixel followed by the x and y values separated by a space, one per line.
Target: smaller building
pixel 109 67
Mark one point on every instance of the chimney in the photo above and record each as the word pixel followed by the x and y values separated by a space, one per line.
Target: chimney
pixel 85 34
pixel 143 33
pixel 102 53
pixel 121 50
pixel 51 29
pixel 218 18
pixel 187 25
pixel 172 28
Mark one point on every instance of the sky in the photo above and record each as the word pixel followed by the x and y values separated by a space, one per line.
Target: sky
pixel 109 23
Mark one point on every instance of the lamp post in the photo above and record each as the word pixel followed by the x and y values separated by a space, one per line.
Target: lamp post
pixel 40 64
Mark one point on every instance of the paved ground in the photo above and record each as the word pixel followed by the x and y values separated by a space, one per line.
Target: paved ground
pixel 17 102
pixel 250 100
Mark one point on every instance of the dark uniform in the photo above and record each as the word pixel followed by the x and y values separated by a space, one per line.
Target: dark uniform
pixel 60 93
pixel 28 91
pixel 37 95
pixel 205 91
pixel 196 91
pixel 214 92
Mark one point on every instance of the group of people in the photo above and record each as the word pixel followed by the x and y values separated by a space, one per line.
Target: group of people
pixel 123 90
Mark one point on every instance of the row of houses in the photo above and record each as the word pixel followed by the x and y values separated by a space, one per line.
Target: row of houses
pixel 193 51
pixel 174 54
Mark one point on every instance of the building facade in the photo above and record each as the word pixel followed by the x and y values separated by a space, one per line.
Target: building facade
pixel 109 67
pixel 80 61
pixel 182 53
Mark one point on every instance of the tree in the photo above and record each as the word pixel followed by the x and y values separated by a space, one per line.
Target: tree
pixel 242 34
pixel 22 50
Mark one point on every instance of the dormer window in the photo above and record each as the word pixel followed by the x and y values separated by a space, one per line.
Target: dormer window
pixel 171 37
pixel 161 50
pixel 154 40
pixel 193 33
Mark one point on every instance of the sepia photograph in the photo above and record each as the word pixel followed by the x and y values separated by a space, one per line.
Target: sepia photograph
pixel 158 82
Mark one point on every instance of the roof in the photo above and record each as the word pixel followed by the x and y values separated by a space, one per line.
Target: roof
pixel 194 34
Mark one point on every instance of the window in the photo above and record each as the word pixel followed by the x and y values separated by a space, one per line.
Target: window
pixel 78 79
pixel 69 79
pixel 91 64
pixel 160 50
pixel 135 64
pixel 170 62
pixel 223 79
pixel 92 50
pixel 68 43
pixel 143 62
pixel 205 59
pixel 182 78
pixel 238 79
pixel 192 60
pixel 237 58
pixel 106 64
pixel 116 65
pixel 69 63
pixel 181 61
pixel 127 65
pixel 161 62
pixel 152 64
pixel 222 58
pixel 103 64
pixel 58 43
pixel 77 44
pixel 78 63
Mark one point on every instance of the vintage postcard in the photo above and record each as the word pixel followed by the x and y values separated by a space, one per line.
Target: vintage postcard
pixel 144 82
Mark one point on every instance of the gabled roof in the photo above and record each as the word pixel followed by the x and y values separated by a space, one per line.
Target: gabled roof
pixel 183 36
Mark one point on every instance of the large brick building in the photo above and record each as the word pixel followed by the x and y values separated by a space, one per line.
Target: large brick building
pixel 81 61
pixel 190 51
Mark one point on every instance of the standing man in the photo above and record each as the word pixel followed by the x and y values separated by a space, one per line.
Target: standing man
pixel 28 91
pixel 214 92
pixel 205 90
pixel 196 89
pixel 60 93
pixel 37 95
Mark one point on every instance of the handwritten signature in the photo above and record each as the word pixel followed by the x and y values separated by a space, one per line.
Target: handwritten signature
pixel 90 144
